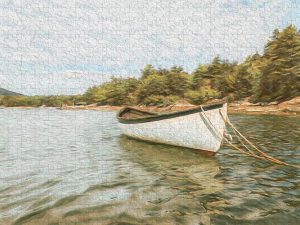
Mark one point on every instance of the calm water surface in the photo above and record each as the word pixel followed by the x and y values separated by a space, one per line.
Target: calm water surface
pixel 74 167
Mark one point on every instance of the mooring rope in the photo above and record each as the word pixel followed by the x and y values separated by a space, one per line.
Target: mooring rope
pixel 224 138
pixel 241 138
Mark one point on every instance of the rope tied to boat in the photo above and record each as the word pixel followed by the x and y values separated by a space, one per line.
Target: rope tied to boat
pixel 227 135
pixel 259 154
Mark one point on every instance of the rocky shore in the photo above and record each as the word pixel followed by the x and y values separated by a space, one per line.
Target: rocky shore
pixel 291 107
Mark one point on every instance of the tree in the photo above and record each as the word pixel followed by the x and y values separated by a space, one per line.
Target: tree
pixel 243 85
pixel 147 71
pixel 118 91
pixel 198 75
pixel 153 85
pixel 215 73
pixel 280 78
pixel 202 95
pixel 177 81
pixel 176 69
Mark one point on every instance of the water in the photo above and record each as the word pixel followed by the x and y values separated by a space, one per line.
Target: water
pixel 74 167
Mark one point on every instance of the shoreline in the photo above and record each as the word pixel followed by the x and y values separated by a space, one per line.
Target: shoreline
pixel 287 108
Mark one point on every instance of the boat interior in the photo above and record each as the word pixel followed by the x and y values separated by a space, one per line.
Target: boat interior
pixel 129 113
pixel 132 113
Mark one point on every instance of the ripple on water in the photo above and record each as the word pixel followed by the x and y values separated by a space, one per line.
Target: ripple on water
pixel 67 167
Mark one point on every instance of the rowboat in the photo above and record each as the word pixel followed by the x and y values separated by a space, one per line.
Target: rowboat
pixel 200 128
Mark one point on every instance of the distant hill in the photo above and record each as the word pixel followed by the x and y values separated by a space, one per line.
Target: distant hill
pixel 9 93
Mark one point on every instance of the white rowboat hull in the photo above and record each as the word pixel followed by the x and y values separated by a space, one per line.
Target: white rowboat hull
pixel 193 130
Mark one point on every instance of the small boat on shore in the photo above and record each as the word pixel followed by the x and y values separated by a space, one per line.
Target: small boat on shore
pixel 200 128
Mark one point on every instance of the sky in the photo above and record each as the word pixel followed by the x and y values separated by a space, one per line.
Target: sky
pixel 51 47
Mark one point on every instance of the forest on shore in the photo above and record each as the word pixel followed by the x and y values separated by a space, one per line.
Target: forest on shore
pixel 272 76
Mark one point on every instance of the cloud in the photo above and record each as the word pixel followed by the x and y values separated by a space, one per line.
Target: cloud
pixel 43 38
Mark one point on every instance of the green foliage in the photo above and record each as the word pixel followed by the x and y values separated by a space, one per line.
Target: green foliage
pixel 273 76
pixel 36 101
pixel 199 75
pixel 147 71
pixel 202 95
pixel 177 81
pixel 220 75
pixel 154 84
pixel 280 78
pixel 243 86
pixel 215 71
pixel 160 100
pixel 116 92
pixel 164 82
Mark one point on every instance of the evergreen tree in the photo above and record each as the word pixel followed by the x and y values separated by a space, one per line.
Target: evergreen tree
pixel 281 74
pixel 198 75
pixel 154 84
pixel 147 71
pixel 216 73
pixel 177 81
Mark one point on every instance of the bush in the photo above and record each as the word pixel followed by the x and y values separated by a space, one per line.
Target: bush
pixel 160 100
pixel 153 85
pixel 115 92
pixel 202 95
pixel 231 97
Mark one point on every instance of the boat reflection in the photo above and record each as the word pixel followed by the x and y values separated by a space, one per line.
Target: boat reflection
pixel 182 168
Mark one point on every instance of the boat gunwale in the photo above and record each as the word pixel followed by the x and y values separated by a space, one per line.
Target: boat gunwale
pixel 163 116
